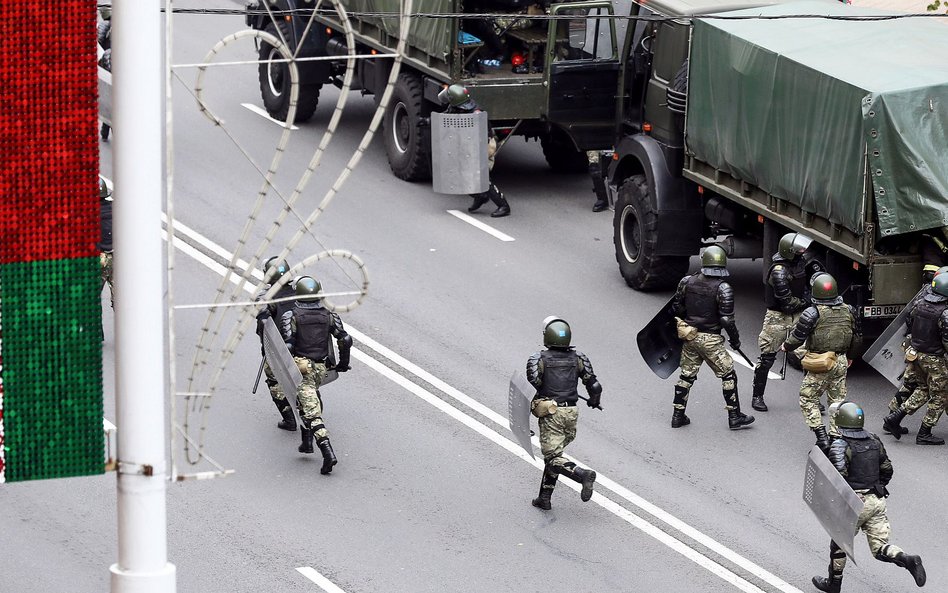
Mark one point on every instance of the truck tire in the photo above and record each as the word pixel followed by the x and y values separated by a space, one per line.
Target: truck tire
pixel 407 136
pixel 275 85
pixel 634 227
pixel 561 154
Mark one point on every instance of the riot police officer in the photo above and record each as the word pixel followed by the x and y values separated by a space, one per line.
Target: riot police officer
pixel 105 238
pixel 861 458
pixel 555 372
pixel 104 37
pixel 934 251
pixel 459 100
pixel 786 297
pixel 828 327
pixel 275 270
pixel 705 303
pixel 927 323
pixel 310 325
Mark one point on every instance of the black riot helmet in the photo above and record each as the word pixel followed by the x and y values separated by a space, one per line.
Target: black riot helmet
pixel 556 332
pixel 306 286
pixel 940 285
pixel 274 269
pixel 792 245
pixel 824 290
pixel 105 192
pixel 714 261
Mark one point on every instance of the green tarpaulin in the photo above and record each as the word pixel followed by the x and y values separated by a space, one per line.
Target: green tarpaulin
pixel 429 34
pixel 804 108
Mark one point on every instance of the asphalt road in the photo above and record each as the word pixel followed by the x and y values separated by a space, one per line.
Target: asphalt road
pixel 431 493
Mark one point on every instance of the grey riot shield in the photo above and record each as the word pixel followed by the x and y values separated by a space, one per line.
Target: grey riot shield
pixel 279 358
pixel 459 153
pixel 886 354
pixel 832 500
pixel 659 343
pixel 332 374
pixel 105 93
pixel 518 410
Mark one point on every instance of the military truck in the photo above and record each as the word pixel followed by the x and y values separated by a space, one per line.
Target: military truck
pixel 555 80
pixel 737 131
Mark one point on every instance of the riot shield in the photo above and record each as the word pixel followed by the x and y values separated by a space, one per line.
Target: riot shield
pixel 279 358
pixel 886 355
pixel 105 91
pixel 459 163
pixel 518 410
pixel 659 343
pixel 832 500
pixel 332 374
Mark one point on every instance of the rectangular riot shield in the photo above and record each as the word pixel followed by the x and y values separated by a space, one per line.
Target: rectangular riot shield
pixel 659 343
pixel 105 92
pixel 279 358
pixel 832 500
pixel 886 354
pixel 459 163
pixel 518 410
pixel 332 374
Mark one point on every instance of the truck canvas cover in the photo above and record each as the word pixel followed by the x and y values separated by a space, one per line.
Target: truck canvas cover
pixel 429 34
pixel 797 106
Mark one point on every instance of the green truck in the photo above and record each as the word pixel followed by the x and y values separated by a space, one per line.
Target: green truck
pixel 554 82
pixel 735 131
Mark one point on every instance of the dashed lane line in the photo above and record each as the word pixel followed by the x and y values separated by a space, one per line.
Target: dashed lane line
pixel 480 225
pixel 262 113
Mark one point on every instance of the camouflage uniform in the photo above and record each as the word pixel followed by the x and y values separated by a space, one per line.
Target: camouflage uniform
pixel 705 301
pixel 828 326
pixel 861 458
pixel 927 324
pixel 786 295
pixel 554 372
pixel 105 244
pixel 310 326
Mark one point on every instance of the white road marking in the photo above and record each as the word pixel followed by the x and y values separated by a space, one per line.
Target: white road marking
pixel 262 113
pixel 740 360
pixel 324 583
pixel 501 440
pixel 480 225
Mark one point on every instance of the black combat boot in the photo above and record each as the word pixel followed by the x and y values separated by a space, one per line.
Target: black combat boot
pixel 822 439
pixel 307 445
pixel 497 197
pixel 479 200
pixel 760 381
pixel 892 424
pixel 547 484
pixel 737 420
pixel 329 456
pixel 913 564
pixel 289 419
pixel 925 437
pixel 586 477
pixel 829 585
pixel 678 415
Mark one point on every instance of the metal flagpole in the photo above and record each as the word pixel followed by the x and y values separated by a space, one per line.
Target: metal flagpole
pixel 142 565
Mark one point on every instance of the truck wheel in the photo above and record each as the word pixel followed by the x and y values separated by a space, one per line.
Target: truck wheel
pixel 275 85
pixel 634 228
pixel 561 154
pixel 407 137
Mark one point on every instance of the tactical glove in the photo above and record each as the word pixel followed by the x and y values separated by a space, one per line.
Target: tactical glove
pixel 593 401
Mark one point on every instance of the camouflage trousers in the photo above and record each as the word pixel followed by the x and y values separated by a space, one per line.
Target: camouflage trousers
pixel 774 332
pixel 556 431
pixel 833 382
pixel 105 274
pixel 276 390
pixel 906 389
pixel 307 396
pixel 931 376
pixel 875 524
pixel 709 348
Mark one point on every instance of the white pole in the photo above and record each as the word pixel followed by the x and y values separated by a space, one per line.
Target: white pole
pixel 142 565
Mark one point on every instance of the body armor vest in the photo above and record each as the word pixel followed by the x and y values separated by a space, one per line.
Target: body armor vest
pixel 105 215
pixel 864 463
pixel 796 278
pixel 560 374
pixel 833 331
pixel 312 332
pixel 701 303
pixel 926 335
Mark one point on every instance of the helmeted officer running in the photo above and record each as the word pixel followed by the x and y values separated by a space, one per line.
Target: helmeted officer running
pixel 705 302
pixel 861 458
pixel 927 323
pixel 786 296
pixel 310 325
pixel 555 373
pixel 828 327
pixel 274 270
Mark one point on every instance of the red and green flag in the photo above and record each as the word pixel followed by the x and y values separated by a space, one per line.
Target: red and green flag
pixel 50 311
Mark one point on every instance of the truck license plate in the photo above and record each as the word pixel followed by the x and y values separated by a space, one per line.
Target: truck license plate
pixel 882 311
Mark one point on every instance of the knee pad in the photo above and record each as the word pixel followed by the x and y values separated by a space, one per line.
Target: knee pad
pixel 729 380
pixel 685 381
pixel 767 359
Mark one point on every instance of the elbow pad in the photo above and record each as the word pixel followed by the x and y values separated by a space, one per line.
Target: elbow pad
pixel 593 387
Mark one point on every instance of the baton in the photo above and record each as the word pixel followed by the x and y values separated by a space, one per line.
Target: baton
pixel 259 372
pixel 744 356
pixel 786 353
pixel 586 399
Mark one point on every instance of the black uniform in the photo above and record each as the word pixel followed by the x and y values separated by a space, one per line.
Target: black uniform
pixel 934 251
